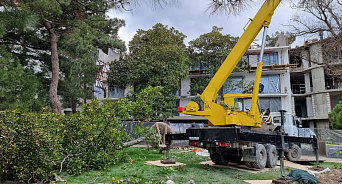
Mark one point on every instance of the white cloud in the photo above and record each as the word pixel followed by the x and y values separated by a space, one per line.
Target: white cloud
pixel 191 18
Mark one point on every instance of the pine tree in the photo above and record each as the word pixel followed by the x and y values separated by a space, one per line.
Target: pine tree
pixel 56 32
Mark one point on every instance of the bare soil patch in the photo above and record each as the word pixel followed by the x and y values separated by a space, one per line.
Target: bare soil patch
pixel 329 177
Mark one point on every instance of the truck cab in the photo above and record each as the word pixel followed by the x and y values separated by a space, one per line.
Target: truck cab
pixel 290 125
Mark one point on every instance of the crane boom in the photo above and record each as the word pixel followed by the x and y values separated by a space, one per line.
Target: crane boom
pixel 217 114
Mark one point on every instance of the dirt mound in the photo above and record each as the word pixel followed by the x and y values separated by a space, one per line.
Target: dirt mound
pixel 329 177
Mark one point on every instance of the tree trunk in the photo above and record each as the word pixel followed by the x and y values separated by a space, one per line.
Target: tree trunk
pixel 134 142
pixel 54 102
pixel 73 106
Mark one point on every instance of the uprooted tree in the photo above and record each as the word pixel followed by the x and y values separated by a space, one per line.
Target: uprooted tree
pixel 35 146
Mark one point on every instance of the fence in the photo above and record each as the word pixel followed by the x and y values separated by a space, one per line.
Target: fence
pixel 333 143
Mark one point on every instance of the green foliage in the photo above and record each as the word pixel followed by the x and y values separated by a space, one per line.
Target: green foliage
pixel 211 49
pixel 336 117
pixel 152 103
pixel 28 145
pixel 150 134
pixel 19 87
pixel 157 58
pixel 34 146
pixel 158 61
pixel 94 135
pixel 82 28
pixel 197 85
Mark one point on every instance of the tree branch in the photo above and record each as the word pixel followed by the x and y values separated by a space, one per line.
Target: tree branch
pixel 67 157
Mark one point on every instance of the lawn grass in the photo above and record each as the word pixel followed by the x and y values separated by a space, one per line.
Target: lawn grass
pixel 330 165
pixel 134 170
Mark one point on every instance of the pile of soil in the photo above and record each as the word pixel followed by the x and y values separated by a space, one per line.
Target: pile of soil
pixel 329 177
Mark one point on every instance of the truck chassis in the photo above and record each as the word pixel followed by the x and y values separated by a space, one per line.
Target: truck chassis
pixel 258 149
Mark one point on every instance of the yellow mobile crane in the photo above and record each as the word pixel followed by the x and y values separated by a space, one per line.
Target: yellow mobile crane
pixel 216 113
pixel 233 134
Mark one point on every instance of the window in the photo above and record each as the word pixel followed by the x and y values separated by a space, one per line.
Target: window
pixel 272 103
pixel 115 92
pixel 233 85
pixel 270 59
pixel 270 83
pixel 98 92
pixel 200 66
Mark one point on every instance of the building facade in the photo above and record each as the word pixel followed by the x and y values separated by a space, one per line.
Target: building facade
pixel 294 80
pixel 275 93
pixel 316 83
pixel 102 90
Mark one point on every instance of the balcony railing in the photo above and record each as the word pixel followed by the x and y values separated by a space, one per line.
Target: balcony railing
pixel 298 88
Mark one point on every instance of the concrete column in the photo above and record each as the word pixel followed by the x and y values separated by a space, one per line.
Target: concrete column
pixel 312 126
pixel 185 87
pixel 313 105
pixel 182 103
pixel 293 106
pixel 309 107
pixel 184 93
pixel 307 82
pixel 328 103
pixel 318 79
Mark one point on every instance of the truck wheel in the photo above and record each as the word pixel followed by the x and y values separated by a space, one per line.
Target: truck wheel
pixel 222 159
pixel 261 157
pixel 213 157
pixel 249 164
pixel 294 153
pixel 272 156
pixel 219 159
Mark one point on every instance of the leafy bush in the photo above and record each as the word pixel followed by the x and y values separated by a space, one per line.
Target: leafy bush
pixel 34 146
pixel 94 135
pixel 28 145
pixel 336 117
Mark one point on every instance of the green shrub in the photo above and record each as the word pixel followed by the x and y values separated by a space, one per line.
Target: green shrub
pixel 94 135
pixel 34 146
pixel 336 117
pixel 28 145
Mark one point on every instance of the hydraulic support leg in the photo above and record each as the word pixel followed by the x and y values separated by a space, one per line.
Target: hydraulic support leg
pixel 168 143
pixel 283 179
pixel 316 152
pixel 281 156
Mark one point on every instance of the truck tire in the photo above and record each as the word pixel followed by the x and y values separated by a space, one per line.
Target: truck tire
pixel 213 157
pixel 260 157
pixel 294 153
pixel 272 156
pixel 219 159
pixel 249 164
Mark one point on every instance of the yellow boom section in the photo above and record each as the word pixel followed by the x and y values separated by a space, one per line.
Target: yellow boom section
pixel 217 114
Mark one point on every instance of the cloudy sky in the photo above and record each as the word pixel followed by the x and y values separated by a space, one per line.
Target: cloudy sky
pixel 191 18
